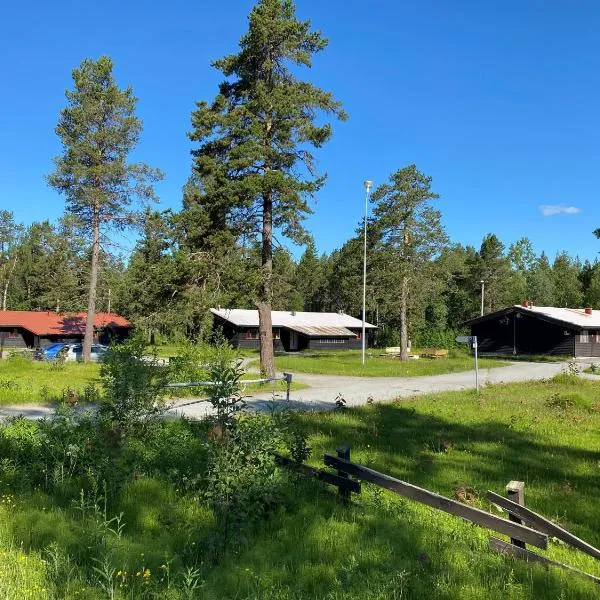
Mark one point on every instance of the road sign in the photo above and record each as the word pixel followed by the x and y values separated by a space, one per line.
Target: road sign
pixel 463 339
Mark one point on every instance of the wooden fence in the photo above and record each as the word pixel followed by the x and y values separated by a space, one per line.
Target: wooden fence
pixel 523 525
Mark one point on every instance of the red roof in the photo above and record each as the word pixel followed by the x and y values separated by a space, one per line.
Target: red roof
pixel 51 323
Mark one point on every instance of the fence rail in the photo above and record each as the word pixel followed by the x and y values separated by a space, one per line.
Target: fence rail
pixel 523 525
pixel 287 377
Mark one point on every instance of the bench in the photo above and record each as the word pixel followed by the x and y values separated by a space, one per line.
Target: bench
pixel 434 352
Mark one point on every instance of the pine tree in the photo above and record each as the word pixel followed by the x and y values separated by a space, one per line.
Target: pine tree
pixel 410 236
pixel 540 282
pixel 567 287
pixel 254 160
pixel 98 129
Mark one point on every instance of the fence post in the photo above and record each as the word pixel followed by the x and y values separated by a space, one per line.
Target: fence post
pixel 344 452
pixel 515 490
pixel 288 380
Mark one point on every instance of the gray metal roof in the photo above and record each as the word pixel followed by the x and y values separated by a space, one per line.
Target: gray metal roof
pixel 313 324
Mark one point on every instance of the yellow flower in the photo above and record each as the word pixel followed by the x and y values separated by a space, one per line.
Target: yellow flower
pixel 147 573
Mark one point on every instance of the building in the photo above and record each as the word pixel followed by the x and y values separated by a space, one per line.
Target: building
pixel 293 331
pixel 528 329
pixel 38 329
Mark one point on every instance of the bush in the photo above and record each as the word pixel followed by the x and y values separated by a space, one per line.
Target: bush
pixel 243 481
pixel 133 386
pixel 572 400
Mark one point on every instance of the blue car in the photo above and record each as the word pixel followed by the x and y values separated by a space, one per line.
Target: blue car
pixel 52 351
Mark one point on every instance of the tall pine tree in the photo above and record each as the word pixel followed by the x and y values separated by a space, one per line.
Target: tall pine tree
pixel 254 159
pixel 98 129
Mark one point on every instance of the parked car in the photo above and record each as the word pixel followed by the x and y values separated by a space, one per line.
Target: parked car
pixel 72 352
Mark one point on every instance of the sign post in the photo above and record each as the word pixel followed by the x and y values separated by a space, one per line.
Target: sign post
pixel 472 340
pixel 476 364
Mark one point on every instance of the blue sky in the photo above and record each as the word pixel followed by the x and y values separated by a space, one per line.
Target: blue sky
pixel 498 101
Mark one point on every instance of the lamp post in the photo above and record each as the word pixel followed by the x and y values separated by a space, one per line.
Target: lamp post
pixel 482 282
pixel 368 184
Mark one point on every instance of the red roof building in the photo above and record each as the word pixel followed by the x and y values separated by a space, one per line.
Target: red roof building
pixel 22 328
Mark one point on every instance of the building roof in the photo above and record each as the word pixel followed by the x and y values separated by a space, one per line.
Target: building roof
pixel 52 323
pixel 573 317
pixel 312 324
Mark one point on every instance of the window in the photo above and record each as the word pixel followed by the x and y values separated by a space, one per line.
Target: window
pixel 331 341
pixel 584 337
pixel 252 334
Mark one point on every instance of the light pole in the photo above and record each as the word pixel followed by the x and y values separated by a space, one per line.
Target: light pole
pixel 367 185
pixel 482 282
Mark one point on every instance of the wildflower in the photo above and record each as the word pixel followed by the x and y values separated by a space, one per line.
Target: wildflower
pixel 146 573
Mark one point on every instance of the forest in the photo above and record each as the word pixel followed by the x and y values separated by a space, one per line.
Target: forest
pixel 182 265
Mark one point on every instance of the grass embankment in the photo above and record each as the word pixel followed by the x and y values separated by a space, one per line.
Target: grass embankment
pixel 24 381
pixel 382 547
pixel 349 362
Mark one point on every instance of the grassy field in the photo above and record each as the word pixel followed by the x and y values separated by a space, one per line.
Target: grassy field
pixel 25 381
pixel 381 547
pixel 350 363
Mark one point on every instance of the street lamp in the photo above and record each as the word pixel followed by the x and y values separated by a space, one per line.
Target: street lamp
pixel 482 282
pixel 368 184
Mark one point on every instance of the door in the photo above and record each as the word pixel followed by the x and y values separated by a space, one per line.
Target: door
pixel 293 341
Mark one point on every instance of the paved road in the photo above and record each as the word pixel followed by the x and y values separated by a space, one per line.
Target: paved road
pixel 325 389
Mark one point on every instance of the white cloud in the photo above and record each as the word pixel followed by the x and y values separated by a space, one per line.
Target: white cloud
pixel 549 210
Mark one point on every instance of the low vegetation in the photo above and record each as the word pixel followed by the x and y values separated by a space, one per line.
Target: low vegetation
pixel 350 363
pixel 24 381
pixel 110 506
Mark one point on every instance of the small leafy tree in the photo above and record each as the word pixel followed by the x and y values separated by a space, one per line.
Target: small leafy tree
pixel 98 130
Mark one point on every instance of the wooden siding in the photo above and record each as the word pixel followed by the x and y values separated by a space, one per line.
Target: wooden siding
pixel 524 334
pixel 238 339
pixel 589 348
pixel 11 338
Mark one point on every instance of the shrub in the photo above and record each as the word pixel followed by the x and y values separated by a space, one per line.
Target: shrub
pixel 133 386
pixel 243 481
pixel 571 400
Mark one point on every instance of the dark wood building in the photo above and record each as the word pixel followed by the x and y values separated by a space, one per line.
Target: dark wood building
pixel 293 331
pixel 20 329
pixel 527 329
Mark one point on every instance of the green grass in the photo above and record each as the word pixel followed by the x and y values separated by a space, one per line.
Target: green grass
pixel 539 358
pixel 24 381
pixel 382 546
pixel 349 362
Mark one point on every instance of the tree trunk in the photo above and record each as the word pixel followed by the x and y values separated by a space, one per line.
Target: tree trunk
pixel 91 311
pixel 403 319
pixel 7 283
pixel 265 324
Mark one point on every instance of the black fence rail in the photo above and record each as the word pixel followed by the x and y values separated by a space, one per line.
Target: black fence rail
pixel 523 525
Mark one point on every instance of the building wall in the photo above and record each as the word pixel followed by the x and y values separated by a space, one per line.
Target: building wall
pixel 525 334
pixel 11 338
pixel 587 343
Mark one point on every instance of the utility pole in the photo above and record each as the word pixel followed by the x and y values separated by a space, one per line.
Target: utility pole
pixel 367 185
